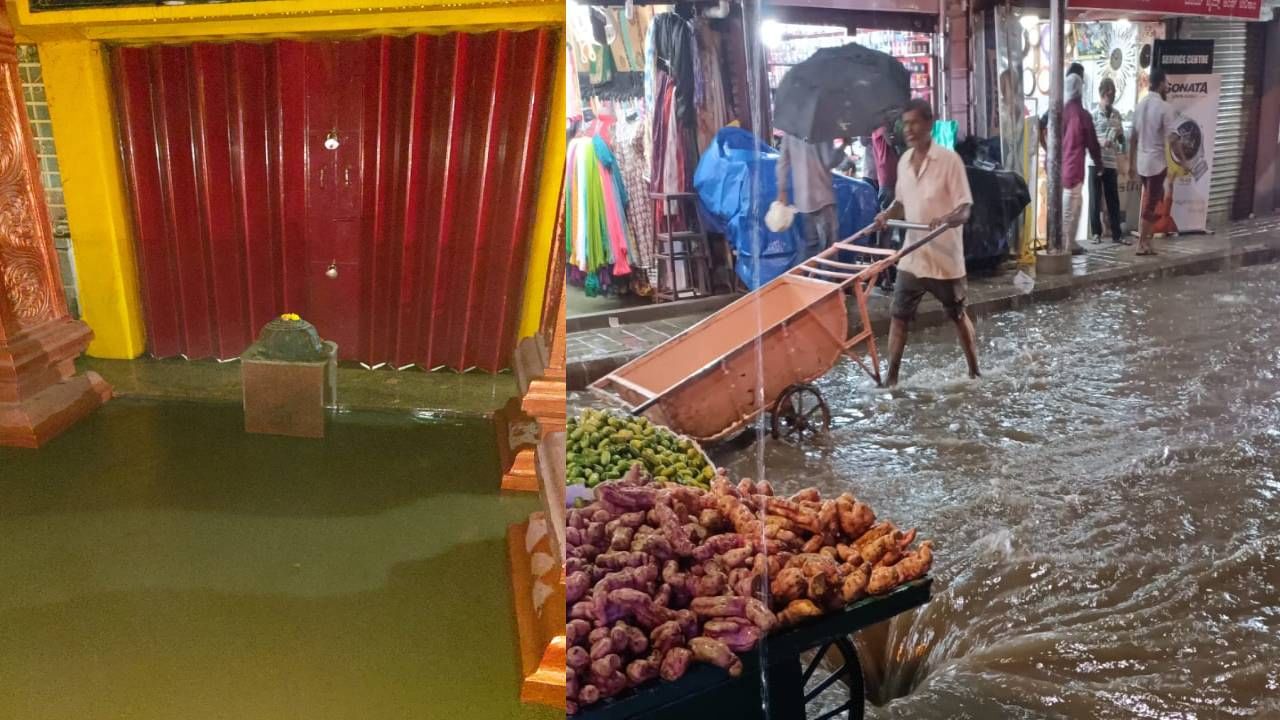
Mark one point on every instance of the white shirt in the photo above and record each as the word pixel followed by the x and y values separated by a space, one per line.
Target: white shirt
pixel 939 189
pixel 1153 119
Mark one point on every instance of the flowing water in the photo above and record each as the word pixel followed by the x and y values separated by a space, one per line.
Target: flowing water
pixel 1104 505
pixel 156 562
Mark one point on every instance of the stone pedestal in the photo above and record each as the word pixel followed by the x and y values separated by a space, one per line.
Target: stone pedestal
pixel 289 397
pixel 40 393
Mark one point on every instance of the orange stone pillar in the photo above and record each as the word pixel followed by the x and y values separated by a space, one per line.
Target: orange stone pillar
pixel 40 394
pixel 536 548
pixel 540 373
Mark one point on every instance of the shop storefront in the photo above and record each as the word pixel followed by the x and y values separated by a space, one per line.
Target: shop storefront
pixel 650 85
pixel 1123 42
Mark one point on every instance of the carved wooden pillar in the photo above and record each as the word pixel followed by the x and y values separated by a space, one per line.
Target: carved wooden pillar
pixel 40 394
pixel 540 373
pixel 536 548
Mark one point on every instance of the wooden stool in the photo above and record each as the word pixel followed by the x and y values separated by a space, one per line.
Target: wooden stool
pixel 682 255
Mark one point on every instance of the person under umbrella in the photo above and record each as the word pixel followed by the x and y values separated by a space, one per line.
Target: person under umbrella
pixel 837 93
pixel 809 166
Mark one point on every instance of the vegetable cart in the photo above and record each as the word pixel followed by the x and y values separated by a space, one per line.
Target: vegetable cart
pixel 763 351
pixel 800 665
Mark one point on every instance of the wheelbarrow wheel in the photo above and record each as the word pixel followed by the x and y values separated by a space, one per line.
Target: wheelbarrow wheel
pixel 800 413
pixel 832 682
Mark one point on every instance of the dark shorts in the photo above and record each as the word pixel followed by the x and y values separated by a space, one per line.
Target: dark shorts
pixel 911 289
pixel 1152 194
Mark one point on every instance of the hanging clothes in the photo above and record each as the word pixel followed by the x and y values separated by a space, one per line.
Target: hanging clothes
pixel 596 231
pixel 667 161
pixel 713 106
pixel 629 150
pixel 674 54
pixel 573 91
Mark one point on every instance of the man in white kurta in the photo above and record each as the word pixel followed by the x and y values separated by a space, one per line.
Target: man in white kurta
pixel 932 189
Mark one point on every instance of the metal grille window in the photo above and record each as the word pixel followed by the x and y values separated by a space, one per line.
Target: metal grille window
pixel 50 177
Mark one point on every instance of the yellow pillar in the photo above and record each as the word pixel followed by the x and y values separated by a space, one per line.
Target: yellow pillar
pixel 544 222
pixel 79 94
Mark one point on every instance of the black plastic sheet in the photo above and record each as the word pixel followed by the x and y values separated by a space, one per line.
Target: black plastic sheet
pixel 999 197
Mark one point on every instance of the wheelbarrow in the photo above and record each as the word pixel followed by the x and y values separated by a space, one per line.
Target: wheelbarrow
pixel 797 674
pixel 763 351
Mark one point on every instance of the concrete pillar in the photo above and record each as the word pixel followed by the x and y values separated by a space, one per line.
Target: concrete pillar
pixel 1057 260
pixel 40 393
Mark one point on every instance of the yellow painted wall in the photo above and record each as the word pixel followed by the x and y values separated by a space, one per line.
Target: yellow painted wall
pixel 80 103
pixel 544 226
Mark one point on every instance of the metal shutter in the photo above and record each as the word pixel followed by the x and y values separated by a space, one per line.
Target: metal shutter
pixel 1229 61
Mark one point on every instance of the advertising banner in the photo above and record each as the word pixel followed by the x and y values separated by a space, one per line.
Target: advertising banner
pixel 1241 9
pixel 1183 57
pixel 1190 153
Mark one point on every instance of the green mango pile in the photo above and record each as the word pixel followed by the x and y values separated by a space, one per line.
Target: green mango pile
pixel 603 446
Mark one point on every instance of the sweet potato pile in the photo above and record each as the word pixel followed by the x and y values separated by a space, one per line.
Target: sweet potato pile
pixel 659 575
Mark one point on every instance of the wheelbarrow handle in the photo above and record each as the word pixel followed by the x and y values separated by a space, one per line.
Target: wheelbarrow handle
pixel 893 224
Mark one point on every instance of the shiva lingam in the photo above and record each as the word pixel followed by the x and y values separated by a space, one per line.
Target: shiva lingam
pixel 289 377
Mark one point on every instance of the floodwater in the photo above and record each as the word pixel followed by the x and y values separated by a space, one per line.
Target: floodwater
pixel 1105 505
pixel 157 563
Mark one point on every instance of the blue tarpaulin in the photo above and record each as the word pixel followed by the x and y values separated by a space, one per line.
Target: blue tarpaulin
pixel 736 181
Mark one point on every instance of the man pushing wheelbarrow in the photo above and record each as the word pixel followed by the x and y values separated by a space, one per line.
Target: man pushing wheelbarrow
pixel 762 352
pixel 849 91
pixel 932 189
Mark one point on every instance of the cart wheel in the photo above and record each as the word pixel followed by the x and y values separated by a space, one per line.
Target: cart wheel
pixel 800 412
pixel 842 688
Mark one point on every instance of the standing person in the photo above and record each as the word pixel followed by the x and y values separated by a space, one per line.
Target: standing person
pixel 809 166
pixel 886 163
pixel 1153 123
pixel 1104 185
pixel 932 188
pixel 1077 138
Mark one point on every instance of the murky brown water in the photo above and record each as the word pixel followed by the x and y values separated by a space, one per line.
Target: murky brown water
pixel 1104 505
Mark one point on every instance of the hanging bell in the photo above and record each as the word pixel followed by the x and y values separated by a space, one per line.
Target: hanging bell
pixel 332 272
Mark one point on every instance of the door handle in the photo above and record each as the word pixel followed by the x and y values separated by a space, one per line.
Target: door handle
pixel 322 169
pixel 346 176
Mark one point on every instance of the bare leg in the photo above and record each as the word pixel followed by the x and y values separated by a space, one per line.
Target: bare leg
pixel 968 343
pixel 897 343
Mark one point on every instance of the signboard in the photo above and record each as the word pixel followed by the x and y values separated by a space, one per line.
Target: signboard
pixel 1241 9
pixel 40 5
pixel 1184 57
pixel 1190 153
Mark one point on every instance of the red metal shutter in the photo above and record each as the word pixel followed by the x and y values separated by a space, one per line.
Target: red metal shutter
pixel 424 209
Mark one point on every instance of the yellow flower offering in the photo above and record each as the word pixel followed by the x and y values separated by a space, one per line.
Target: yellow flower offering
pixel 290 316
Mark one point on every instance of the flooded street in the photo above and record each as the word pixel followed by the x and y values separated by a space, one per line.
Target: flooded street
pixel 1103 504
pixel 160 563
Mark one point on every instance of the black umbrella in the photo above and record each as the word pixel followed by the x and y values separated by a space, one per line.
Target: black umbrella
pixel 838 92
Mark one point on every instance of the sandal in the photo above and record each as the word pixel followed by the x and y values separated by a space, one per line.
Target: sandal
pixel 1145 252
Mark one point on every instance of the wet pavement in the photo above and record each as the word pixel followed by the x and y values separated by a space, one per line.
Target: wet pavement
pixel 159 563
pixel 1102 503
pixel 595 352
